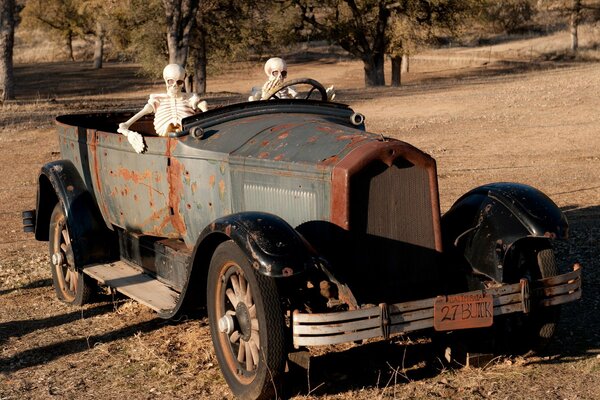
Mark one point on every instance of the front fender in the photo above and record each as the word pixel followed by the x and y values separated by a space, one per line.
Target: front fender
pixel 271 244
pixel 273 247
pixel 487 221
pixel 59 181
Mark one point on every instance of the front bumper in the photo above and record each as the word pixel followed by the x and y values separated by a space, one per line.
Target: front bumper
pixel 390 319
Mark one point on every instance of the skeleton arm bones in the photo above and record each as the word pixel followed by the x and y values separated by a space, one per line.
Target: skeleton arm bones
pixel 135 139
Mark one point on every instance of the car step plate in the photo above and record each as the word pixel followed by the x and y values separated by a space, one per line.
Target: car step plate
pixel 463 311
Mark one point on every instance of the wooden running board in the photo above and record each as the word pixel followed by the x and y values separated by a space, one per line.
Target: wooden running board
pixel 135 284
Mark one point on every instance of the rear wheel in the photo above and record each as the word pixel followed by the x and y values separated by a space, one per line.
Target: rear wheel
pixel 70 284
pixel 246 323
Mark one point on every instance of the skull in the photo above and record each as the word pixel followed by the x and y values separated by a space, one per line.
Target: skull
pixel 174 76
pixel 276 70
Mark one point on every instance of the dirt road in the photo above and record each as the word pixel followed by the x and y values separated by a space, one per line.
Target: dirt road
pixel 539 127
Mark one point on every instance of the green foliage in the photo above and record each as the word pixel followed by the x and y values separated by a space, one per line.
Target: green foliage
pixel 138 34
pixel 508 16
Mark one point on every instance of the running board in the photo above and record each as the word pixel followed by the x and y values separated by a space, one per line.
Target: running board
pixel 133 283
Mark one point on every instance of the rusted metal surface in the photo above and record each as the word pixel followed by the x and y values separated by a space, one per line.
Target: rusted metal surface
pixel 386 152
pixel 372 322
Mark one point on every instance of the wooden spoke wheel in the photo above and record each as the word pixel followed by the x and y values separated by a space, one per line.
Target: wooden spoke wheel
pixel 70 284
pixel 247 324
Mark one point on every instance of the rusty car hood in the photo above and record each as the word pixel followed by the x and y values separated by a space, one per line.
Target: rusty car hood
pixel 302 133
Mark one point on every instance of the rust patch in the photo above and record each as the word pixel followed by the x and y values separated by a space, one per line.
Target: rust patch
pixel 278 158
pixel 263 155
pixel 211 181
pixel 175 178
pixel 328 129
pixel 222 189
pixel 312 139
pixel 194 187
pixel 134 176
pixel 264 143
pixel 283 135
pixel 330 160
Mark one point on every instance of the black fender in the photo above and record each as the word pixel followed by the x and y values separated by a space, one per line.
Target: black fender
pixel 271 244
pixel 485 223
pixel 274 248
pixel 59 181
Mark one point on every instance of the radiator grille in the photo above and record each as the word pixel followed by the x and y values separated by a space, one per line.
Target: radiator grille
pixel 392 224
pixel 296 206
pixel 399 206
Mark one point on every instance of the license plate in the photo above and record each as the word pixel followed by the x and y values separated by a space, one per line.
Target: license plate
pixel 463 311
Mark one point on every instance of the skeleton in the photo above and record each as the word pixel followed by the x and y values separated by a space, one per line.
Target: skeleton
pixel 169 108
pixel 276 70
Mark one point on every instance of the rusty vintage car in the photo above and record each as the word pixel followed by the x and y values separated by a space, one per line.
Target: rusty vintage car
pixel 292 226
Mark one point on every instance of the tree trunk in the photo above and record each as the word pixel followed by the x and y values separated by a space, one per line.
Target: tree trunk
pixel 574 24
pixel 200 64
pixel 396 68
pixel 374 73
pixel 98 46
pixel 180 15
pixel 7 39
pixel 405 62
pixel 69 40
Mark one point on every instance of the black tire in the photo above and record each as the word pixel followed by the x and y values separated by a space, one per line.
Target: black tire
pixel 70 284
pixel 250 344
pixel 534 331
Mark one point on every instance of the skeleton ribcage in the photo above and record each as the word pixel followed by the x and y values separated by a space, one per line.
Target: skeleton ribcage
pixel 169 114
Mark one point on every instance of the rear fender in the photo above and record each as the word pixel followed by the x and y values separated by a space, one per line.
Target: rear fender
pixel 486 222
pixel 59 181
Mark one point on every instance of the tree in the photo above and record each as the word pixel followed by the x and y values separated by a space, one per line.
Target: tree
pixel 180 17
pixel 7 38
pixel 95 16
pixel 362 27
pixel 575 10
pixel 57 16
pixel 228 30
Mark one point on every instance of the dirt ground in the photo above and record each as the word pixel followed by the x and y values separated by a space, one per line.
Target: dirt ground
pixel 523 120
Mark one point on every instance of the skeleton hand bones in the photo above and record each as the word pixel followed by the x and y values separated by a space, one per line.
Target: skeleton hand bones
pixel 169 109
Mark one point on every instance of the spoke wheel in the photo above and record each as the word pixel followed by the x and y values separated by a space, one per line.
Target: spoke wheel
pixel 246 323
pixel 70 284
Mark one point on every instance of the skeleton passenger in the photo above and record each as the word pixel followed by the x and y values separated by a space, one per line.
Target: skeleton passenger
pixel 169 108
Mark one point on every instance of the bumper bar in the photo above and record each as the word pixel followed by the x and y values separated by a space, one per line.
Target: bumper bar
pixel 389 319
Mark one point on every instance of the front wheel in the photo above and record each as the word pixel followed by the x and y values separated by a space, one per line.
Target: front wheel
pixel 534 331
pixel 70 284
pixel 246 324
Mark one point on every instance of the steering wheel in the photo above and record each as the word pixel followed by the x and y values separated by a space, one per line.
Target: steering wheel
pixel 272 94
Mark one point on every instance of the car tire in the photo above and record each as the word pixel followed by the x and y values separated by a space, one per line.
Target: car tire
pixel 519 333
pixel 246 323
pixel 70 284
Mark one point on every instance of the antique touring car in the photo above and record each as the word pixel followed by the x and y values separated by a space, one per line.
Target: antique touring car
pixel 294 227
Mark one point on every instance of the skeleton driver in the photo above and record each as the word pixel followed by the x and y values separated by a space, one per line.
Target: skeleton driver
pixel 276 70
pixel 169 108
